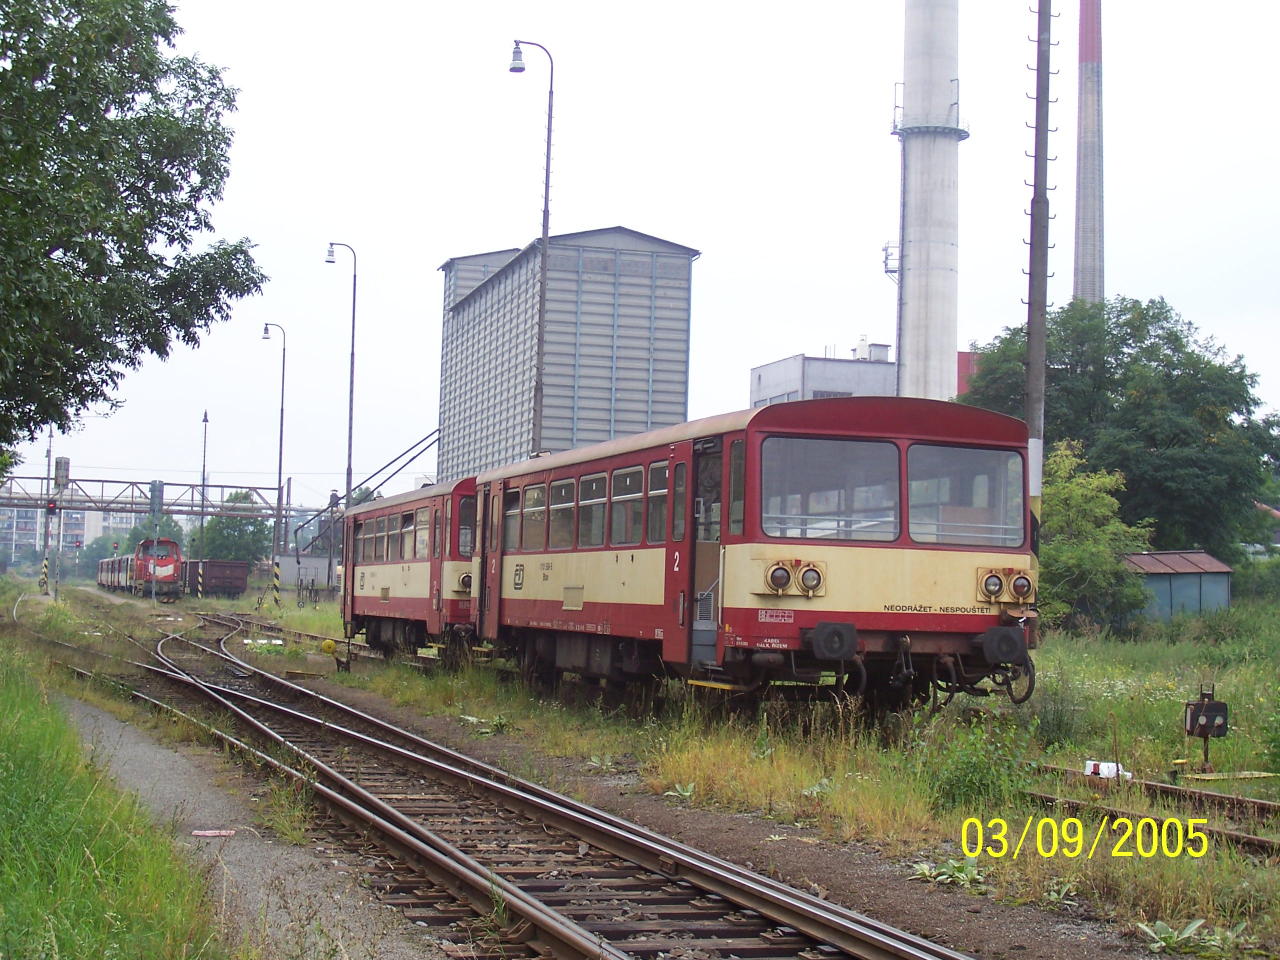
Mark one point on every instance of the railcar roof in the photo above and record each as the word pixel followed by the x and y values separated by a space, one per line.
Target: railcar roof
pixel 909 417
pixel 421 493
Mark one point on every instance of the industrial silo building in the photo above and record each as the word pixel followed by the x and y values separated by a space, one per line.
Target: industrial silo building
pixel 614 347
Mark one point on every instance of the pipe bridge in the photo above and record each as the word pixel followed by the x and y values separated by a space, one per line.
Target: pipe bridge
pixel 132 496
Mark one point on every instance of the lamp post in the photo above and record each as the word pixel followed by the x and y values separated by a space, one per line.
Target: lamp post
pixel 276 545
pixel 517 66
pixel 351 390
pixel 204 481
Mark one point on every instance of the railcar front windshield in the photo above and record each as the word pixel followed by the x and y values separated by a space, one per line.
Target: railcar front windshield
pixel 965 495
pixel 829 489
pixel 161 551
pixel 850 490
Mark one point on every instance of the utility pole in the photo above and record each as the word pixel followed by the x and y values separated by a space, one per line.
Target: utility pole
pixel 1038 274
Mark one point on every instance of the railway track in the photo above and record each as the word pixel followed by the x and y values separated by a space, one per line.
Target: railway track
pixel 1237 809
pixel 510 864
pixel 1233 805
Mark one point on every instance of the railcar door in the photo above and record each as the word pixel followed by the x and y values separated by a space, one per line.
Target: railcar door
pixel 490 597
pixel 432 548
pixel 693 551
pixel 679 566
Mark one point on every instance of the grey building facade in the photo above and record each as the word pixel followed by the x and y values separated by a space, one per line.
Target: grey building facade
pixel 813 378
pixel 615 346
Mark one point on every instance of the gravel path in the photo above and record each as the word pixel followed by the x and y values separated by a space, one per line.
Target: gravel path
pixel 285 902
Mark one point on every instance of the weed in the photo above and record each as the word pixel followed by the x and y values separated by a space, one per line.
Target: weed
pixel 1161 937
pixel 601 764
pixel 958 873
pixel 1061 892
pixel 287 811
pixel 683 791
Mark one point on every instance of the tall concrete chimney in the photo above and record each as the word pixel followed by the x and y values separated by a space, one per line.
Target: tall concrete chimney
pixel 1087 281
pixel 930 131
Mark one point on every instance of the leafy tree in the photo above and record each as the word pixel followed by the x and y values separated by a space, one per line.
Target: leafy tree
pixel 1082 537
pixel 111 150
pixel 168 527
pixel 235 538
pixel 1145 395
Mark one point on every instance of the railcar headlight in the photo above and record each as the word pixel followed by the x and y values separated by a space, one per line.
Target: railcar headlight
pixel 811 578
pixel 464 582
pixel 1021 586
pixel 778 578
pixel 993 585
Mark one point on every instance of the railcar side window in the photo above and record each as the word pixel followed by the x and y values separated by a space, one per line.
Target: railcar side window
pixel 511 520
pixel 495 520
pixel 380 539
pixel 466 526
pixel 367 541
pixel 737 478
pixel 406 536
pixel 422 533
pixel 829 489
pixel 591 504
pixel 627 507
pixel 393 538
pixel 357 537
pixel 535 518
pixel 964 495
pixel 436 542
pixel 677 502
pixel 657 532
pixel 560 535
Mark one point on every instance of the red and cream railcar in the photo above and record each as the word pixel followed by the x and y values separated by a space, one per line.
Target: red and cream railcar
pixel 409 558
pixel 881 541
pixel 114 572
pixel 158 561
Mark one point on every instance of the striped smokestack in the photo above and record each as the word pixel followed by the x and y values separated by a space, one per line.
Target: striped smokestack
pixel 1087 282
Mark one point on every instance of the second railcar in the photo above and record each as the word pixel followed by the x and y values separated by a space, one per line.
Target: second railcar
pixel 410 562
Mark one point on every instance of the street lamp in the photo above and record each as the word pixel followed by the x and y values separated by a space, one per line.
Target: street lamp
pixel 351 390
pixel 517 66
pixel 204 491
pixel 276 545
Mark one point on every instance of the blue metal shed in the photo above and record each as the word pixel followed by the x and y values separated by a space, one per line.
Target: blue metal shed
pixel 1182 581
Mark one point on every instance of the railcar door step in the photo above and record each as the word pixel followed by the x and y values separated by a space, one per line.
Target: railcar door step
pixel 721 685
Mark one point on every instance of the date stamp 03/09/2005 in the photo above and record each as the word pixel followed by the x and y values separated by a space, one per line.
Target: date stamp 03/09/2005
pixel 1047 837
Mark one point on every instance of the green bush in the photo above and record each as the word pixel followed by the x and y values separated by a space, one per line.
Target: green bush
pixel 975 765
pixel 1083 579
pixel 1258 579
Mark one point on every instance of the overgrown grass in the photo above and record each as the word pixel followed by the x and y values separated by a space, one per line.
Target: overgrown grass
pixel 910 785
pixel 83 873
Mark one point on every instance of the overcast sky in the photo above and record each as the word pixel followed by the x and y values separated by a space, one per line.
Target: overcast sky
pixel 757 134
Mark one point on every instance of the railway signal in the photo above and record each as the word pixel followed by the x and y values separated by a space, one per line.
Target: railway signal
pixel 51 507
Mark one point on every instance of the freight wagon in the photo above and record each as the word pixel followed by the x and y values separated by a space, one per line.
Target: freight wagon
pixel 221 578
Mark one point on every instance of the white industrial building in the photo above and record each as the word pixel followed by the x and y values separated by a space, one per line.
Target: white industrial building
pixel 867 374
pixel 615 346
